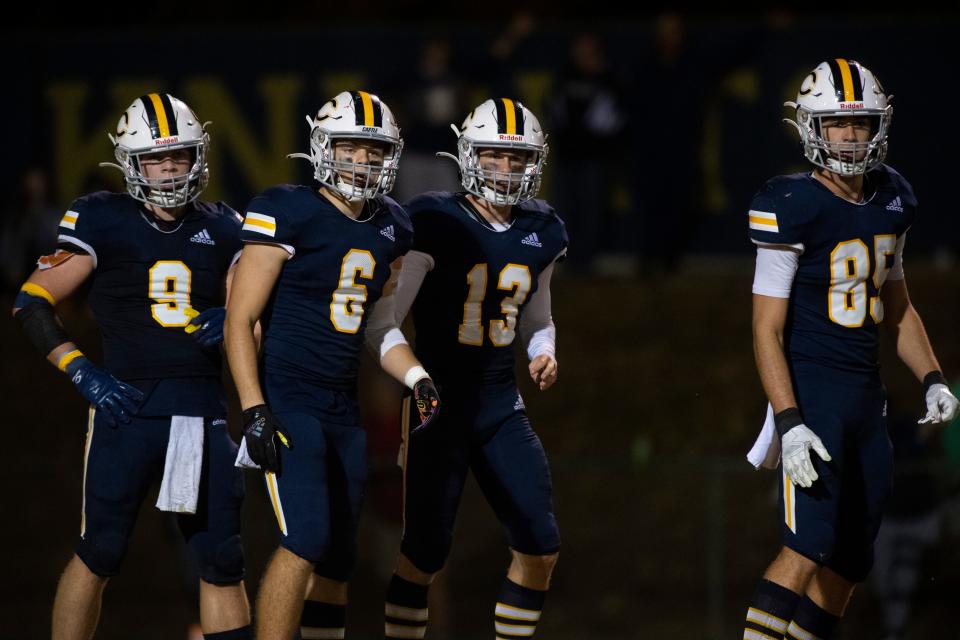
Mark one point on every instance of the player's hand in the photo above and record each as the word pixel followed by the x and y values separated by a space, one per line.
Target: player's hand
pixel 941 405
pixel 427 400
pixel 117 401
pixel 206 327
pixel 543 370
pixel 795 453
pixel 259 428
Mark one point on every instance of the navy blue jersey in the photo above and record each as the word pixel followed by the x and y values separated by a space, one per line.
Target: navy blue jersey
pixel 315 319
pixel 467 312
pixel 147 279
pixel 847 251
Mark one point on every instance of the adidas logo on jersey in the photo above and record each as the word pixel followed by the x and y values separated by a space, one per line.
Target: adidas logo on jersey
pixel 203 237
pixel 895 205
pixel 532 240
pixel 518 405
pixel 387 232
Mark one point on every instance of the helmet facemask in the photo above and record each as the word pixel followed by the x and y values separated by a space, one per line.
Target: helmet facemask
pixel 501 187
pixel 167 193
pixel 843 158
pixel 355 181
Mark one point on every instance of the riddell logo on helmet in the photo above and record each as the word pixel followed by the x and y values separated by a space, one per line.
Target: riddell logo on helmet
pixel 851 105
pixel 511 138
pixel 166 141
pixel 371 129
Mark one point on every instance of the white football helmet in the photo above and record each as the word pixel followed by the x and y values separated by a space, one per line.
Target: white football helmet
pixel 505 124
pixel 354 115
pixel 155 122
pixel 839 88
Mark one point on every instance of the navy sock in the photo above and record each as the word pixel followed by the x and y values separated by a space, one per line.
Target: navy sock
pixel 771 608
pixel 810 622
pixel 518 611
pixel 243 633
pixel 323 620
pixel 405 611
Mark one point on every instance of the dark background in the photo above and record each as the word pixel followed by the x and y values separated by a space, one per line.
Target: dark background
pixel 662 126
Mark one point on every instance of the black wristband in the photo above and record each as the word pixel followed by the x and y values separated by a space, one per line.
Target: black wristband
pixel 932 378
pixel 44 331
pixel 787 419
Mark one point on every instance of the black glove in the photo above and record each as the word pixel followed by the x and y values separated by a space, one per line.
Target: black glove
pixel 259 427
pixel 427 400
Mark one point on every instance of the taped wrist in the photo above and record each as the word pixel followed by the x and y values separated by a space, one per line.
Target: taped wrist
pixel 39 322
pixel 787 419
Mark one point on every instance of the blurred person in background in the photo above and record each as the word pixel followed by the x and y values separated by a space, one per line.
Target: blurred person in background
pixel 29 228
pixel 586 115
pixel 911 521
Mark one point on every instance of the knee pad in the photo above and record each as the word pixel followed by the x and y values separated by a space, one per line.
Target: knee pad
pixel 220 561
pixel 427 553
pixel 536 537
pixel 103 554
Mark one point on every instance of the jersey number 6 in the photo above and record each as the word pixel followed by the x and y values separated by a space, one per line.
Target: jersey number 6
pixel 346 306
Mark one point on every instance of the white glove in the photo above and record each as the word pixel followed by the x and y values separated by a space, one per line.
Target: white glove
pixel 795 453
pixel 941 405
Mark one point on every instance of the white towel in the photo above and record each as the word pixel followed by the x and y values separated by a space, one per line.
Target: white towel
pixel 244 461
pixel 180 487
pixel 766 450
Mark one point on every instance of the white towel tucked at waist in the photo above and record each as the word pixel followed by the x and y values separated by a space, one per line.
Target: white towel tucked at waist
pixel 244 461
pixel 180 487
pixel 766 450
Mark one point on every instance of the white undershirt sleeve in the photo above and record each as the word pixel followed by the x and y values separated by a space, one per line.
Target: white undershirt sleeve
pixel 896 272
pixel 383 328
pixel 537 330
pixel 775 270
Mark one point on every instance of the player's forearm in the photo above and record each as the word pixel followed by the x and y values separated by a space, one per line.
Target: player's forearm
pixel 913 345
pixel 241 347
pixel 400 363
pixel 773 370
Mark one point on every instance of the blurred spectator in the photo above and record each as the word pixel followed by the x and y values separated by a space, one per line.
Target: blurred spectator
pixel 912 522
pixel 432 102
pixel 585 117
pixel 29 229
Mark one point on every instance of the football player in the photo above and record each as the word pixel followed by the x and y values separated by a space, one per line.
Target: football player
pixel 157 259
pixel 315 261
pixel 829 273
pixel 479 273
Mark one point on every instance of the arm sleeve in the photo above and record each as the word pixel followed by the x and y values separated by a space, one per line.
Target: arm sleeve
pixel 537 330
pixel 775 270
pixel 896 272
pixel 383 329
